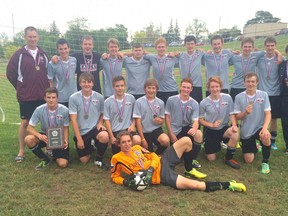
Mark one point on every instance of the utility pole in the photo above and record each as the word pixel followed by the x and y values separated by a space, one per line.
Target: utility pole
pixel 13 27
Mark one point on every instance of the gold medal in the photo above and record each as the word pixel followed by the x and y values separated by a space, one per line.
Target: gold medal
pixel 251 102
pixel 162 77
pixel 154 116
pixel 37 67
pixel 268 78
pixel 189 75
pixel 120 119
pixel 86 116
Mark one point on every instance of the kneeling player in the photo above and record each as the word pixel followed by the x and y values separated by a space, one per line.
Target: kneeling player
pixel 159 170
pixel 49 115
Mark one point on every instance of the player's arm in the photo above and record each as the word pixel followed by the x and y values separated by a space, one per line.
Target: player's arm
pixel 131 128
pixel 279 56
pixel 233 121
pixel 75 126
pixel 153 157
pixel 205 123
pixel 169 128
pixel 11 70
pixel 66 136
pixel 140 132
pixel 116 172
pixel 32 131
pixel 100 125
pixel 267 120
pixel 110 132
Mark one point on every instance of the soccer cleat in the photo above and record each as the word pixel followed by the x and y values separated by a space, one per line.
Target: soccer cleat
pixel 234 186
pixel 195 173
pixel 238 145
pixel 265 169
pixel 223 145
pixel 273 146
pixel 259 147
pixel 232 163
pixel 42 165
pixel 196 164
pixel 101 165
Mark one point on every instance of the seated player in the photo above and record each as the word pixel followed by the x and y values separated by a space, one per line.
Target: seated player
pixel 118 110
pixel 181 110
pixel 86 109
pixel 149 116
pixel 252 107
pixel 215 112
pixel 50 114
pixel 159 169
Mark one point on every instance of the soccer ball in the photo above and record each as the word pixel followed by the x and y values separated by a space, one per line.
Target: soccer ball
pixel 139 181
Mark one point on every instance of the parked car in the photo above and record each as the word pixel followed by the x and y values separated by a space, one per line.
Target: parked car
pixel 282 32
pixel 200 44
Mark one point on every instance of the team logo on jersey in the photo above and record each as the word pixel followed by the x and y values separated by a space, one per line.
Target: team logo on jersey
pixel 260 100
pixel 95 102
pixel 128 104
pixel 156 107
pixel 73 65
pixel 59 117
pixel 223 104
pixel 189 108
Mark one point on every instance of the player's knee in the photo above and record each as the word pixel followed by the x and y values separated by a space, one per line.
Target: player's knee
pixel 211 157
pixel 29 140
pixel 136 140
pixel 62 163
pixel 103 137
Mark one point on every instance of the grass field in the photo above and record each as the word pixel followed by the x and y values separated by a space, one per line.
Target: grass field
pixel 86 190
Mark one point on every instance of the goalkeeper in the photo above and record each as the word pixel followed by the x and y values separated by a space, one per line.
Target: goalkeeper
pixel 132 159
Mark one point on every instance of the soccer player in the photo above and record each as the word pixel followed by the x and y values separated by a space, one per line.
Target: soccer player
pixel 267 70
pixel 86 109
pixel 27 72
pixel 87 61
pixel 181 117
pixel 137 71
pixel 118 111
pixel 217 62
pixel 163 70
pixel 252 107
pixel 149 114
pixel 62 74
pixel 159 169
pixel 49 115
pixel 283 72
pixel 190 66
pixel 215 112
pixel 112 66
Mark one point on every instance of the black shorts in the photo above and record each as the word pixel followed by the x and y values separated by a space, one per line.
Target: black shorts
pixel 213 139
pixel 57 153
pixel 89 145
pixel 169 159
pixel 165 95
pixel 275 103
pixel 235 91
pixel 152 138
pixel 28 107
pixel 222 90
pixel 249 145
pixel 115 148
pixel 197 94
pixel 184 132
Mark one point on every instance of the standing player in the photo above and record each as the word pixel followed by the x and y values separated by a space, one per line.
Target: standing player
pixel 137 71
pixel 267 70
pixel 253 109
pixel 62 74
pixel 149 115
pixel 118 111
pixel 159 169
pixel 181 110
pixel 190 66
pixel 112 66
pixel 217 62
pixel 163 70
pixel 49 115
pixel 215 112
pixel 86 109
pixel 283 72
pixel 27 72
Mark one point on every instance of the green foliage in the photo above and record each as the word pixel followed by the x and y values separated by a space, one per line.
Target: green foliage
pixel 263 17
pixel 198 29
pixel 9 51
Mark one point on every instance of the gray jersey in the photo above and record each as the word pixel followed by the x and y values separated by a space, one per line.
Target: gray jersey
pixel 254 121
pixel 221 109
pixel 146 111
pixel 63 76
pixel 88 110
pixel 111 68
pixel 137 72
pixel 242 66
pixel 190 66
pixel 163 72
pixel 218 65
pixel 181 113
pixel 119 113
pixel 269 80
pixel 48 118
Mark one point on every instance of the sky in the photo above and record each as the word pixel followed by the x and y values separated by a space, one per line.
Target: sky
pixel 134 14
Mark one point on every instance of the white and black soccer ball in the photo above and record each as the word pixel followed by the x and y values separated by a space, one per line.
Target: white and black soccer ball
pixel 139 181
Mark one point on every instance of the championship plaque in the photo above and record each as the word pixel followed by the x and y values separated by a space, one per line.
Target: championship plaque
pixel 55 137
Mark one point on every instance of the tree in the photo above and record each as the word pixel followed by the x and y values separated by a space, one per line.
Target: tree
pixel 262 17
pixel 170 35
pixel 227 34
pixel 177 32
pixel 54 29
pixel 152 32
pixel 140 37
pixel 198 29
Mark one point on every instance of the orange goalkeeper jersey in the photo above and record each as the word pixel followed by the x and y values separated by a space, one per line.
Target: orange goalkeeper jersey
pixel 137 159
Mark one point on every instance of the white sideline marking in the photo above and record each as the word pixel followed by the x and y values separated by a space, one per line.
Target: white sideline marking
pixel 3 114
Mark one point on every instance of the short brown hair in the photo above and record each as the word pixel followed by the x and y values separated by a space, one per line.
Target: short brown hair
pixel 160 40
pixel 29 28
pixel 123 133
pixel 113 41
pixel 51 90
pixel 116 79
pixel 188 80
pixel 86 76
pixel 151 82
pixel 215 79
pixel 249 75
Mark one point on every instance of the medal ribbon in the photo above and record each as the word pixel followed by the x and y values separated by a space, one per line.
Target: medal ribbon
pixel 191 63
pixel 218 67
pixel 248 99
pixel 113 69
pixel 214 105
pixel 245 67
pixel 51 117
pixel 120 111
pixel 86 107
pixel 88 66
pixel 37 63
pixel 184 111
pixel 151 107
pixel 161 66
pixel 139 161
pixel 66 74
pixel 267 67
